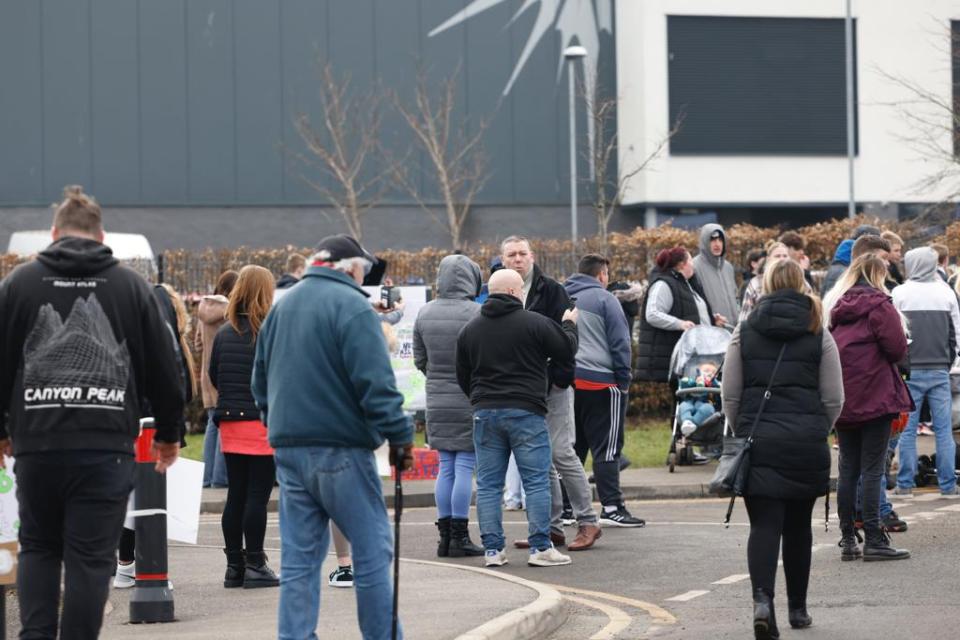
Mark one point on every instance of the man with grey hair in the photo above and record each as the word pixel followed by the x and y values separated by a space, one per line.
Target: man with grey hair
pixel 501 360
pixel 327 393
pixel 547 297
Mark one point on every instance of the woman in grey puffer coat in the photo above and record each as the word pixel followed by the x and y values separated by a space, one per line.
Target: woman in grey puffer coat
pixel 449 416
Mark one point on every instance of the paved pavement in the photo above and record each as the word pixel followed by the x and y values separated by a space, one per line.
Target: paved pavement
pixel 653 483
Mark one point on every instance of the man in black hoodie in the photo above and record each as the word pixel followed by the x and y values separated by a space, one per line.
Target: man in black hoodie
pixel 81 343
pixel 502 367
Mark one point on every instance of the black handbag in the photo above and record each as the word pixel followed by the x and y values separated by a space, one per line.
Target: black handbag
pixel 733 470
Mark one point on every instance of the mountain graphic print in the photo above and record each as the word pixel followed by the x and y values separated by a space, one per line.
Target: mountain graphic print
pixel 75 363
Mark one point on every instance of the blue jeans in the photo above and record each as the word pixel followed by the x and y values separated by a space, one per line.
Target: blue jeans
pixel 214 465
pixel 696 411
pixel 317 485
pixel 497 433
pixel 513 493
pixel 934 384
pixel 454 486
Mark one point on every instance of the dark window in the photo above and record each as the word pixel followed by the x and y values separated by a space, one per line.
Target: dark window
pixel 758 86
pixel 955 58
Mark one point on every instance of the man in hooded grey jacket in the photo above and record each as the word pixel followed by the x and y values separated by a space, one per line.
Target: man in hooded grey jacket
pixel 716 274
pixel 934 317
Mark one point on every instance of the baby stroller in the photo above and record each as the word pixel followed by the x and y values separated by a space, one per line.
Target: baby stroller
pixel 698 346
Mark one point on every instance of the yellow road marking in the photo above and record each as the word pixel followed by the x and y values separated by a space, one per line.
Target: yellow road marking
pixel 619 620
pixel 659 614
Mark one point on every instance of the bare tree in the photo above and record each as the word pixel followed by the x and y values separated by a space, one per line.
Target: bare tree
pixel 454 153
pixel 609 186
pixel 934 121
pixel 343 149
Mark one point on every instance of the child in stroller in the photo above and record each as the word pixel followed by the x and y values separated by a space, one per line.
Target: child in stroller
pixel 696 410
pixel 695 370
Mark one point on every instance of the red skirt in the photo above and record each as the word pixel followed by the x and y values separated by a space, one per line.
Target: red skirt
pixel 248 437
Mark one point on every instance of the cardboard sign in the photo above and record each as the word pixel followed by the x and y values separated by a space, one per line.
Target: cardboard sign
pixel 8 563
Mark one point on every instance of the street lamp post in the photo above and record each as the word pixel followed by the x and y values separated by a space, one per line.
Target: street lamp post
pixel 851 196
pixel 572 54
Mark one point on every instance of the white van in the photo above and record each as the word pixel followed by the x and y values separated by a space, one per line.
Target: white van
pixel 132 249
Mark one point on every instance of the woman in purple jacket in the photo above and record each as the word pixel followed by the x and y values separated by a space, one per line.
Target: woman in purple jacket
pixel 871 337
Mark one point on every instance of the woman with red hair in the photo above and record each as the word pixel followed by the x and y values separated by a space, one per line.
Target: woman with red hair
pixel 673 304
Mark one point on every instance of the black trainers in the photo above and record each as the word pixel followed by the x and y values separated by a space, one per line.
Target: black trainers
pixel 567 518
pixel 342 578
pixel 892 523
pixel 620 518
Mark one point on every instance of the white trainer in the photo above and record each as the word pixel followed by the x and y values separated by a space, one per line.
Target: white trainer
pixel 495 558
pixel 687 427
pixel 126 576
pixel 547 558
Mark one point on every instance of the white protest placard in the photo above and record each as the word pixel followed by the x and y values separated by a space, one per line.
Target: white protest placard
pixel 184 490
pixel 410 382
pixel 9 511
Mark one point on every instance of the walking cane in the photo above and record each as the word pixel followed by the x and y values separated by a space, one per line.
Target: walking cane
pixel 397 511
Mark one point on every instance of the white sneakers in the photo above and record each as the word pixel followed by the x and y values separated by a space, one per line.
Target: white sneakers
pixel 126 576
pixel 495 558
pixel 547 558
pixel 687 427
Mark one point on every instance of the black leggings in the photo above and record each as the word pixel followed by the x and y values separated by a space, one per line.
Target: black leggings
pixel 770 520
pixel 127 549
pixel 250 481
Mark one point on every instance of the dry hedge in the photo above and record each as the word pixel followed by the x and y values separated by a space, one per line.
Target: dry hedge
pixel 632 253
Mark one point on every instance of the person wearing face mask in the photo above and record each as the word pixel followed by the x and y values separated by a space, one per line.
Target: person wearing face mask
pixel 673 304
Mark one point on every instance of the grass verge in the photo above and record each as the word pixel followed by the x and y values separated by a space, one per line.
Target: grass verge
pixel 645 443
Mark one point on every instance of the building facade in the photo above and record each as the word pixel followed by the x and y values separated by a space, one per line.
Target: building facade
pixel 759 90
pixel 179 114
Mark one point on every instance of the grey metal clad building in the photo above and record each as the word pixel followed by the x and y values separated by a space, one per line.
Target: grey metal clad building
pixel 178 114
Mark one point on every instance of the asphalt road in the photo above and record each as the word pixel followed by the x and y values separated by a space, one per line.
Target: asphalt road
pixel 683 576
pixel 687 567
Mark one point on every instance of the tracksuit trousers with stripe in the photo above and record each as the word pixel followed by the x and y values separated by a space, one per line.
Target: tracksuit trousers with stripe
pixel 600 417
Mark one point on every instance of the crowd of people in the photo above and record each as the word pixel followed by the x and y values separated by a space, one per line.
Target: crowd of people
pixel 536 379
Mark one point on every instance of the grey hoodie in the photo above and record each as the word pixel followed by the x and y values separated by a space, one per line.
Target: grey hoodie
pixel 931 307
pixel 717 276
pixel 449 415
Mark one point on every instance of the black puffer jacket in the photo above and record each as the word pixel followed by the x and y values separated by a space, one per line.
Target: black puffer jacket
pixel 231 366
pixel 790 458
pixel 548 298
pixel 655 345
